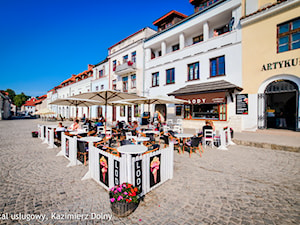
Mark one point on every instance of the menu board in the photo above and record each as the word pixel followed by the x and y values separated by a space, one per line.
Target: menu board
pixel 242 104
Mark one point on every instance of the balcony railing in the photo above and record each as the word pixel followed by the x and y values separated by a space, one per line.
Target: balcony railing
pixel 125 68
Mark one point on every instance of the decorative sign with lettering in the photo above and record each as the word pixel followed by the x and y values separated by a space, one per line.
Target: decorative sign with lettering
pixel 154 170
pixel 280 64
pixel 116 172
pixel 103 161
pixel 242 104
pixel 138 174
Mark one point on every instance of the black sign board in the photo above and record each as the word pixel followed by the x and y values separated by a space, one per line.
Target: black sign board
pixel 138 174
pixel 242 104
pixel 116 172
pixel 154 170
pixel 103 166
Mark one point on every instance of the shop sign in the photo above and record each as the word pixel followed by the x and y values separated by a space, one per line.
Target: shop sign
pixel 242 104
pixel 116 172
pixel 138 174
pixel 280 64
pixel 204 98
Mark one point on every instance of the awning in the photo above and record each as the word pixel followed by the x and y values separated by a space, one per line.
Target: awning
pixel 205 93
pixel 204 98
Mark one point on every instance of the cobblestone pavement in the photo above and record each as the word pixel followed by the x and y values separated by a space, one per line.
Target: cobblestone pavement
pixel 240 186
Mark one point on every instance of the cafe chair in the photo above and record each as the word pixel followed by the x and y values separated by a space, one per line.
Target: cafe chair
pixel 195 144
pixel 85 128
pixel 100 129
pixel 178 129
pixel 82 151
pixel 169 122
pixel 208 138
pixel 58 138
pixel 129 136
pixel 176 142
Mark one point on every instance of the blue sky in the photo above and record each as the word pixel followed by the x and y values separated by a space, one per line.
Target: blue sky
pixel 44 42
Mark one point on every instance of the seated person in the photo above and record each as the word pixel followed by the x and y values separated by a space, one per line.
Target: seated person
pixel 75 126
pixel 124 141
pixel 207 126
pixel 136 128
pixel 88 123
pixel 60 127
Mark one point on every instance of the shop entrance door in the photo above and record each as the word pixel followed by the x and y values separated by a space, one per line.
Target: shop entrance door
pixel 282 104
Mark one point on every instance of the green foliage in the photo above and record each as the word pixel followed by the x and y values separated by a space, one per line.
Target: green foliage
pixel 20 99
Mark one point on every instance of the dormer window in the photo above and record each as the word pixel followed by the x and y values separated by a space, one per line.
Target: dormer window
pixel 168 20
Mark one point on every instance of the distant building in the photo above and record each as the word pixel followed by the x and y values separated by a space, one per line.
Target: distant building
pixel 5 106
pixel 29 106
pixel 74 85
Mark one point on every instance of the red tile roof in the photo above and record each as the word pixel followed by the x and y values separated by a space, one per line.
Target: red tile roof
pixel 173 12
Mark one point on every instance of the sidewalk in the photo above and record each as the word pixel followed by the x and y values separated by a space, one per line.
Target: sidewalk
pixel 271 138
pixel 275 139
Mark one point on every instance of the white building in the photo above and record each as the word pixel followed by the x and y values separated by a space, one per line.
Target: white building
pixel 197 58
pixel 76 84
pixel 127 71
pixel 100 82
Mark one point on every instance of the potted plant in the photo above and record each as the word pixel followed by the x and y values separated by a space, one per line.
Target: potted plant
pixel 124 199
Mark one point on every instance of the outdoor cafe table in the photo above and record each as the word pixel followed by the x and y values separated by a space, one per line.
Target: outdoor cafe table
pixel 151 132
pixel 129 150
pixel 183 137
pixel 90 139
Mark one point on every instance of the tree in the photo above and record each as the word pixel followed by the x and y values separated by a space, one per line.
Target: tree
pixel 11 94
pixel 20 99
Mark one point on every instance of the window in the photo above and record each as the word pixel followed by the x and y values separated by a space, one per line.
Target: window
pixel 178 110
pixel 288 36
pixel 114 65
pixel 125 84
pixel 101 73
pixel 155 79
pixel 198 39
pixel 133 57
pixel 122 110
pixel 136 111
pixel 133 81
pixel 125 58
pixel 114 84
pixel 221 30
pixel 217 66
pixel 170 76
pixel 175 47
pixel 215 111
pixel 193 71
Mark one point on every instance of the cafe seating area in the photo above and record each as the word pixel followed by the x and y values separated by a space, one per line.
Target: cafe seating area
pixel 126 150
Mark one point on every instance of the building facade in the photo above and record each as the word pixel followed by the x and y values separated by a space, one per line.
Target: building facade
pixel 100 82
pixel 126 71
pixel 74 85
pixel 271 64
pixel 198 59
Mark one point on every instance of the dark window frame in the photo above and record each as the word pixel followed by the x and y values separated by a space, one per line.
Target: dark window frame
pixel 287 34
pixel 172 76
pixel 219 66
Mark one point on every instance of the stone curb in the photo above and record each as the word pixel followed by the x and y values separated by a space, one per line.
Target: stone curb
pixel 267 145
